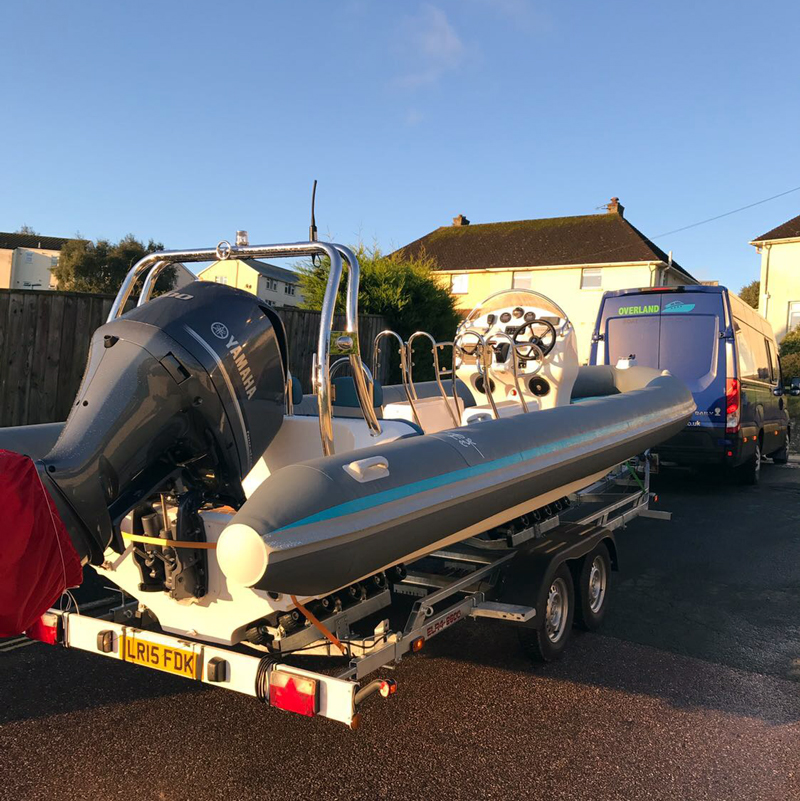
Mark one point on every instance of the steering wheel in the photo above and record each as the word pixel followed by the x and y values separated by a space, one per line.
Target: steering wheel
pixel 542 335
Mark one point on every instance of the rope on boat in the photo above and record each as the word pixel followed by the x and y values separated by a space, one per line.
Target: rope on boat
pixel 312 619
pixel 169 543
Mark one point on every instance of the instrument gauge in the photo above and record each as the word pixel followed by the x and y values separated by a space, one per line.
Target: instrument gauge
pixel 505 317
pixel 518 312
pixel 490 319
pixel 530 316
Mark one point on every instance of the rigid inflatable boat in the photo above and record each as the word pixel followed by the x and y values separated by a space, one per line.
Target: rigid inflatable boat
pixel 193 473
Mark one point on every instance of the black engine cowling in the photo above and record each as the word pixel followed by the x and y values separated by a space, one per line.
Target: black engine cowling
pixel 190 386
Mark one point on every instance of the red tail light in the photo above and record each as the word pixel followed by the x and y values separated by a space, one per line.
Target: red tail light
pixel 293 693
pixel 45 629
pixel 732 406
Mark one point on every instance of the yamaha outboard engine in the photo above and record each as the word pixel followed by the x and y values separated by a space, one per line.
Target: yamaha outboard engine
pixel 180 397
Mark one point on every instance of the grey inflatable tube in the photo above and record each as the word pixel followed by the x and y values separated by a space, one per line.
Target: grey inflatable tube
pixel 311 528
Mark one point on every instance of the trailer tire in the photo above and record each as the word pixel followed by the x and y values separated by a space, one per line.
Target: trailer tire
pixel 547 642
pixel 592 590
pixel 781 456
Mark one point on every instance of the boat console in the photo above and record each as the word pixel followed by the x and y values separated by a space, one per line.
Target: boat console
pixel 516 352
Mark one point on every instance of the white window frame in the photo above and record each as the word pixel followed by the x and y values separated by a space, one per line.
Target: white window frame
pixel 459 284
pixel 271 285
pixel 522 280
pixel 289 289
pixel 591 273
pixel 793 311
pixel 221 279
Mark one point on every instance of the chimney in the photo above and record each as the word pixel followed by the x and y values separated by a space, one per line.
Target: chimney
pixel 615 207
pixel 460 220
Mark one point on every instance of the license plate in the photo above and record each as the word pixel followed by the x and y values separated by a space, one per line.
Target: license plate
pixel 139 650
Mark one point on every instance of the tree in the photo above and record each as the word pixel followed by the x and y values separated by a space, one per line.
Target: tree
pixel 84 266
pixel 749 294
pixel 26 229
pixel 403 290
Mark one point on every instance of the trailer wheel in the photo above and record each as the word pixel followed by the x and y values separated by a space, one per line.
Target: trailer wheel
pixel 592 591
pixel 547 642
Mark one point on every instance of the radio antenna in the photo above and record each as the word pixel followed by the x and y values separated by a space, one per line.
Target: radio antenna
pixel 312 229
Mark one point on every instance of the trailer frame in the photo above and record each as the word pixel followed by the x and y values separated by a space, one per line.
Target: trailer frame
pixel 501 579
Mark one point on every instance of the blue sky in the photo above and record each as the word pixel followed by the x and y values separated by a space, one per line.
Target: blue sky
pixel 184 121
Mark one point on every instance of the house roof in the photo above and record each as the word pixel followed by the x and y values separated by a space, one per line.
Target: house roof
pixel 788 230
pixel 589 239
pixel 273 271
pixel 10 241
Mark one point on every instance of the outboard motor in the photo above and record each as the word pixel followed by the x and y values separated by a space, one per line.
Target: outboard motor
pixel 180 397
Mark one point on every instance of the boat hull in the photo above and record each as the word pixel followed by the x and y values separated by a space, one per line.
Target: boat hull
pixel 311 528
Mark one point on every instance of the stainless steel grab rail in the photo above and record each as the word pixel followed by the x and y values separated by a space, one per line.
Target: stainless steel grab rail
pixel 321 373
pixel 152 277
pixel 484 366
pixel 401 349
pixel 436 370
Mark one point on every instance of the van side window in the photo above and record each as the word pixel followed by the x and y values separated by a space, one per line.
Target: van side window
pixel 773 362
pixel 747 362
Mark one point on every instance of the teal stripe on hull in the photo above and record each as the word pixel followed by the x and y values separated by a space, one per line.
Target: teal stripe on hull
pixel 398 493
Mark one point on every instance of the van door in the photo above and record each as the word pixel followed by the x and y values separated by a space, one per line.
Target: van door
pixel 775 418
pixel 675 331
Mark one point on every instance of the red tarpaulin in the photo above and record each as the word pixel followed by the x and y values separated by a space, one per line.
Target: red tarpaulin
pixel 37 559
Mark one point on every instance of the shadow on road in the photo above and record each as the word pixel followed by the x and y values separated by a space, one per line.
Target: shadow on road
pixel 719 585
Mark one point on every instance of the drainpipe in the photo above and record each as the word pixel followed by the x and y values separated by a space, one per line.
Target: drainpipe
pixel 765 282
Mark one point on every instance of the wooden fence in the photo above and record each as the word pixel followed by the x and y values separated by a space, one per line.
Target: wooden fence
pixel 44 345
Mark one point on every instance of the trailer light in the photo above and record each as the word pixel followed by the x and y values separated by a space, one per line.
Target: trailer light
pixel 388 687
pixel 730 453
pixel 294 693
pixel 105 641
pixel 416 645
pixel 45 629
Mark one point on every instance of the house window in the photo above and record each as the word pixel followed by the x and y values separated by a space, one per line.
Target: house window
pixel 591 278
pixel 272 284
pixel 794 315
pixel 221 279
pixel 459 284
pixel 522 280
pixel 289 289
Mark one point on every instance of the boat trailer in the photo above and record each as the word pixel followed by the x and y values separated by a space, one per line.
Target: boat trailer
pixel 514 574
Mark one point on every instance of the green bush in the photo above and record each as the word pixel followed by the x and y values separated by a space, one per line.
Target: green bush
pixel 749 294
pixel 791 344
pixel 790 366
pixel 404 291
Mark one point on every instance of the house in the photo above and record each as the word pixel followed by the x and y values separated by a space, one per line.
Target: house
pixel 26 260
pixel 276 285
pixel 779 296
pixel 572 260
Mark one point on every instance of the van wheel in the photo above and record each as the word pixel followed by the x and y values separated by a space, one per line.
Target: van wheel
pixel 749 472
pixel 547 643
pixel 781 456
pixel 593 584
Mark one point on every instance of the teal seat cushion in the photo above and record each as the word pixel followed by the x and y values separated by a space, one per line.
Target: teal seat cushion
pixel 297 391
pixel 344 393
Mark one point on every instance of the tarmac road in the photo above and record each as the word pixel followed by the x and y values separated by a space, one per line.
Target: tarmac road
pixel 692 691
